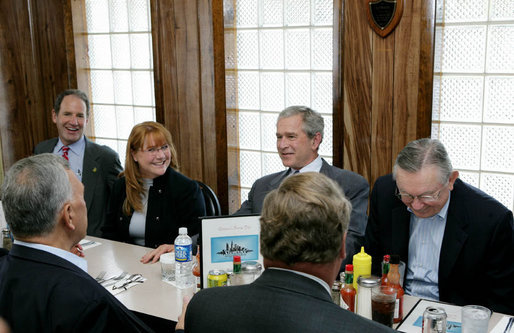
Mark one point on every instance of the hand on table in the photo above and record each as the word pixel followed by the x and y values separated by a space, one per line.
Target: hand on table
pixel 78 250
pixel 182 316
pixel 154 255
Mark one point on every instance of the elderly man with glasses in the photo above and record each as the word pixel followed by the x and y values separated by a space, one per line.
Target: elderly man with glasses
pixel 456 241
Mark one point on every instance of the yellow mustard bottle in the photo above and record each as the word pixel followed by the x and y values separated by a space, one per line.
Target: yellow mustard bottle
pixel 361 266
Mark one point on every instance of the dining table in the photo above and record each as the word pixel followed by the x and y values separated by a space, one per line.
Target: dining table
pixel 158 299
pixel 152 298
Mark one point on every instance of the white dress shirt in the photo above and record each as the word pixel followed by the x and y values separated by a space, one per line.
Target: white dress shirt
pixel 68 256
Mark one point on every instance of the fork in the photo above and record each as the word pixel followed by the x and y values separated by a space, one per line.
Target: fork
pixel 131 279
pixel 111 281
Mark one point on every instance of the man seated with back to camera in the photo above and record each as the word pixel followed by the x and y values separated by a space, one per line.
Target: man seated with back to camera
pixel 457 242
pixel 43 286
pixel 302 237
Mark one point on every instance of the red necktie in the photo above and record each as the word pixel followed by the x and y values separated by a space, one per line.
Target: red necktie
pixel 65 152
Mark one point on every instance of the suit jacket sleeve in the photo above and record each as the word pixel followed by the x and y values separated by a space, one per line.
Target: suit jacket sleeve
pixel 112 228
pixel 357 191
pixel 499 270
pixel 247 206
pixel 372 243
pixel 112 161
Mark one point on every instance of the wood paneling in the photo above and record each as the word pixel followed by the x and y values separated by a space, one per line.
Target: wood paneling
pixel 386 86
pixel 36 62
pixel 189 86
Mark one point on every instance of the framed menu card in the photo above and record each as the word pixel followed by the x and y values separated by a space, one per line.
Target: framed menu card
pixel 224 237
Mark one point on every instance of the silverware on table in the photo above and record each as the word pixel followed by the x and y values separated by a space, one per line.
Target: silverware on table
pixel 100 277
pixel 134 278
pixel 111 281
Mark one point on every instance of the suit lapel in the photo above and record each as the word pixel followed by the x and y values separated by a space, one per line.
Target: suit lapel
pixel 326 169
pixel 275 182
pixel 48 146
pixel 454 238
pixel 91 170
pixel 400 221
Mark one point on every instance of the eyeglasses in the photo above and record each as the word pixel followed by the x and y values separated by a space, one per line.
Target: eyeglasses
pixel 408 198
pixel 155 150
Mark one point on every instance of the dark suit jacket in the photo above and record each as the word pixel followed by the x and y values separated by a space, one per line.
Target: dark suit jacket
pixel 41 292
pixel 355 187
pixel 278 301
pixel 174 201
pixel 100 169
pixel 476 263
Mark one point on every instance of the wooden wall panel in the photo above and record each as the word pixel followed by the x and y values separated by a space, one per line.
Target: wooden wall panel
pixel 189 86
pixel 357 87
pixel 426 67
pixel 382 104
pixel 406 74
pixel 386 85
pixel 36 62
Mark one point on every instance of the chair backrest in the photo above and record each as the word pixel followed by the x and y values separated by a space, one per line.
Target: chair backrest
pixel 212 204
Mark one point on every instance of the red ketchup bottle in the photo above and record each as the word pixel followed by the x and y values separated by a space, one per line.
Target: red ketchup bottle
pixel 348 292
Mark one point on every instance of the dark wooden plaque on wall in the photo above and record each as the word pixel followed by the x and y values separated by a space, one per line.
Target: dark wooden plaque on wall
pixel 384 15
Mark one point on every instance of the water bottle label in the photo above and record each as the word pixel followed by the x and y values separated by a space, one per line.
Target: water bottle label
pixel 183 253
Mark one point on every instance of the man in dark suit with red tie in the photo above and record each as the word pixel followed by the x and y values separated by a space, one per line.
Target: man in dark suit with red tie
pixel 95 165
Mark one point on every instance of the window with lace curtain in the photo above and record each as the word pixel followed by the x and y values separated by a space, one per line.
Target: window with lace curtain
pixel 121 69
pixel 278 53
pixel 473 101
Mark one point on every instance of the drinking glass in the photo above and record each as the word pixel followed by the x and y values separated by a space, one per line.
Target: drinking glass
pixel 475 319
pixel 383 300
pixel 168 266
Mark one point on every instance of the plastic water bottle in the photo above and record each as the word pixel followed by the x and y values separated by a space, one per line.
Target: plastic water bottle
pixel 183 259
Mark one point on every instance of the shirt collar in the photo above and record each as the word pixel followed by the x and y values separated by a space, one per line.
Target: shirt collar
pixel 68 256
pixel 76 147
pixel 314 166
pixel 312 277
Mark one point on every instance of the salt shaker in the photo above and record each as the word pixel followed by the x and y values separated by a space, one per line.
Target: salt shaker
pixel 250 270
pixel 366 283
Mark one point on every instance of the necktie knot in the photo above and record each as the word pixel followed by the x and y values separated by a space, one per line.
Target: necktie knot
pixel 65 150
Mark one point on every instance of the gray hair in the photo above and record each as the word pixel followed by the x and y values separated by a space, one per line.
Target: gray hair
pixel 424 152
pixel 304 220
pixel 75 92
pixel 33 193
pixel 312 120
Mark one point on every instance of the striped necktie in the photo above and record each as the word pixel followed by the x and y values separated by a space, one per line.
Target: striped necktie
pixel 65 152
